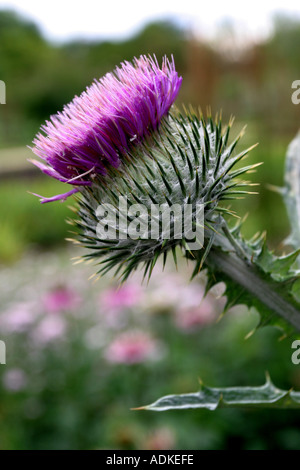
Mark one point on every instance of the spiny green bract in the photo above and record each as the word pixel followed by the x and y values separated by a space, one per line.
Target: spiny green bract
pixel 265 396
pixel 187 161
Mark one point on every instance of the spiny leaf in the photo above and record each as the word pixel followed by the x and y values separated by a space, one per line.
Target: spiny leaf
pixel 210 398
pixel 278 266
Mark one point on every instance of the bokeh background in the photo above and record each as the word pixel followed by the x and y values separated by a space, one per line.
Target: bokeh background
pixel 80 354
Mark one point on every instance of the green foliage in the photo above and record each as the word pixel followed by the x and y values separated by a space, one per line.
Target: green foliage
pixel 281 46
pixel 25 223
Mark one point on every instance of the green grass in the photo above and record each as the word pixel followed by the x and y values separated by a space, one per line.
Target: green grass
pixel 25 222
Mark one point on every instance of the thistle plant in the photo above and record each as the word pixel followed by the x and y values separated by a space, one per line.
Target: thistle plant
pixel 132 158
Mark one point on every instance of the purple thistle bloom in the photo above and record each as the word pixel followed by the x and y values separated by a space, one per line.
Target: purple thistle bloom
pixel 115 113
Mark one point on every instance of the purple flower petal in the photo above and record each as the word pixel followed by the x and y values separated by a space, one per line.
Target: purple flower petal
pixel 96 129
pixel 58 197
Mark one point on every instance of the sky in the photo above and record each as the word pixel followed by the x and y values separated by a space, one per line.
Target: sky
pixel 61 20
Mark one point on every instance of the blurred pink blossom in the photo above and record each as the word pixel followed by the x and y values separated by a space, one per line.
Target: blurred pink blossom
pixel 133 347
pixel 195 316
pixel 61 298
pixel 160 439
pixel 165 292
pixel 18 317
pixel 118 298
pixel 191 295
pixel 49 329
pixel 115 300
pixel 14 380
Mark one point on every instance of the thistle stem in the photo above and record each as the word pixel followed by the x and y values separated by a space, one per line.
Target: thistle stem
pixel 253 280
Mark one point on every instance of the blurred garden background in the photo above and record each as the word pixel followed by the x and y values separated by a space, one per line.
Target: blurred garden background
pixel 81 354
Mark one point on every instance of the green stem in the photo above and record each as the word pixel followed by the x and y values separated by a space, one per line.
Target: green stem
pixel 252 279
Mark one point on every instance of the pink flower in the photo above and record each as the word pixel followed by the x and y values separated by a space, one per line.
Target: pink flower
pixel 191 295
pixel 18 318
pixel 50 329
pixel 114 301
pixel 60 299
pixel 14 380
pixel 166 293
pixel 118 298
pixel 192 317
pixel 132 347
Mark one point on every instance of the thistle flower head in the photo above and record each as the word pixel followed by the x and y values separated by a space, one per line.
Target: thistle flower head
pixel 96 130
pixel 128 155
